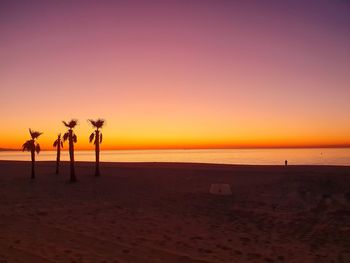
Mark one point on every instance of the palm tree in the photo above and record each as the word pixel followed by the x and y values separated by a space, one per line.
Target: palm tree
pixel 72 138
pixel 58 144
pixel 32 146
pixel 97 135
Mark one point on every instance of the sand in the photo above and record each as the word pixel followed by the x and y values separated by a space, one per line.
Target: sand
pixel 163 213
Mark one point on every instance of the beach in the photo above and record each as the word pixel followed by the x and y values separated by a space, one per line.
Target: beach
pixel 163 212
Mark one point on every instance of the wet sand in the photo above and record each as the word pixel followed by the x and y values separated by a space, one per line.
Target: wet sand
pixel 162 212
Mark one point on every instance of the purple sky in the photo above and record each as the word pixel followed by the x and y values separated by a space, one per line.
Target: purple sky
pixel 178 73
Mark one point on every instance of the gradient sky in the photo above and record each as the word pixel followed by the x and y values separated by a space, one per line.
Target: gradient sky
pixel 177 74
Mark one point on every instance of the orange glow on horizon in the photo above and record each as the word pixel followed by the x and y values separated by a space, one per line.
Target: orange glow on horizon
pixel 121 140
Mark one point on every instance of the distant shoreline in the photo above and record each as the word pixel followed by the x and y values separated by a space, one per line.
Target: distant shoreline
pixel 189 149
pixel 9 150
pixel 319 156
pixel 181 165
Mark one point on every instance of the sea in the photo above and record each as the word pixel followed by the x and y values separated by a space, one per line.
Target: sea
pixel 314 156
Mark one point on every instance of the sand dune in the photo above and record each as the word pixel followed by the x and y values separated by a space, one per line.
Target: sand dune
pixel 162 212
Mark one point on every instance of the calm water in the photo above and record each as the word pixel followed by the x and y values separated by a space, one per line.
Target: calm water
pixel 334 156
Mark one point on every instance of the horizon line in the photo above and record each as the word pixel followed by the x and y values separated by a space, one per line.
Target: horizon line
pixel 199 148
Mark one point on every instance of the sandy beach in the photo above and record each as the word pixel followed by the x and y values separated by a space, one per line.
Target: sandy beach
pixel 162 212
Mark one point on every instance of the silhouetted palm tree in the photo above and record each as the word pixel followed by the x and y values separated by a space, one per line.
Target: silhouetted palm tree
pixel 72 138
pixel 97 135
pixel 58 144
pixel 32 146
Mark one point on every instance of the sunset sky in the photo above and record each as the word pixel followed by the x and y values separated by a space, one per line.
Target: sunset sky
pixel 177 74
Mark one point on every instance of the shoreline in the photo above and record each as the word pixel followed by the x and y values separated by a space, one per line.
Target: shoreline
pixel 182 165
pixel 190 149
pixel 322 157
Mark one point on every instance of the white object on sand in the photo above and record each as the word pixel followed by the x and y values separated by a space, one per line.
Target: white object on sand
pixel 220 189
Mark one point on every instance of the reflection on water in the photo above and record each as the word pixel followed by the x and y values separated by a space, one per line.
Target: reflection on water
pixel 333 156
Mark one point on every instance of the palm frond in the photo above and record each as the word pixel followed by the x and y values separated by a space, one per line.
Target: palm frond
pixel 92 135
pixel 34 134
pixel 61 144
pixel 75 139
pixel 28 145
pixel 71 124
pixel 58 140
pixel 100 137
pixel 37 148
pixel 65 136
pixel 98 123
pixel 92 122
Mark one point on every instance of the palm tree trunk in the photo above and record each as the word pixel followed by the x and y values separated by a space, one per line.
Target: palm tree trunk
pixel 71 155
pixel 58 157
pixel 33 164
pixel 97 153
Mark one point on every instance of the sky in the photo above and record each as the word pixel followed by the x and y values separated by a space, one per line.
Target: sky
pixel 177 74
